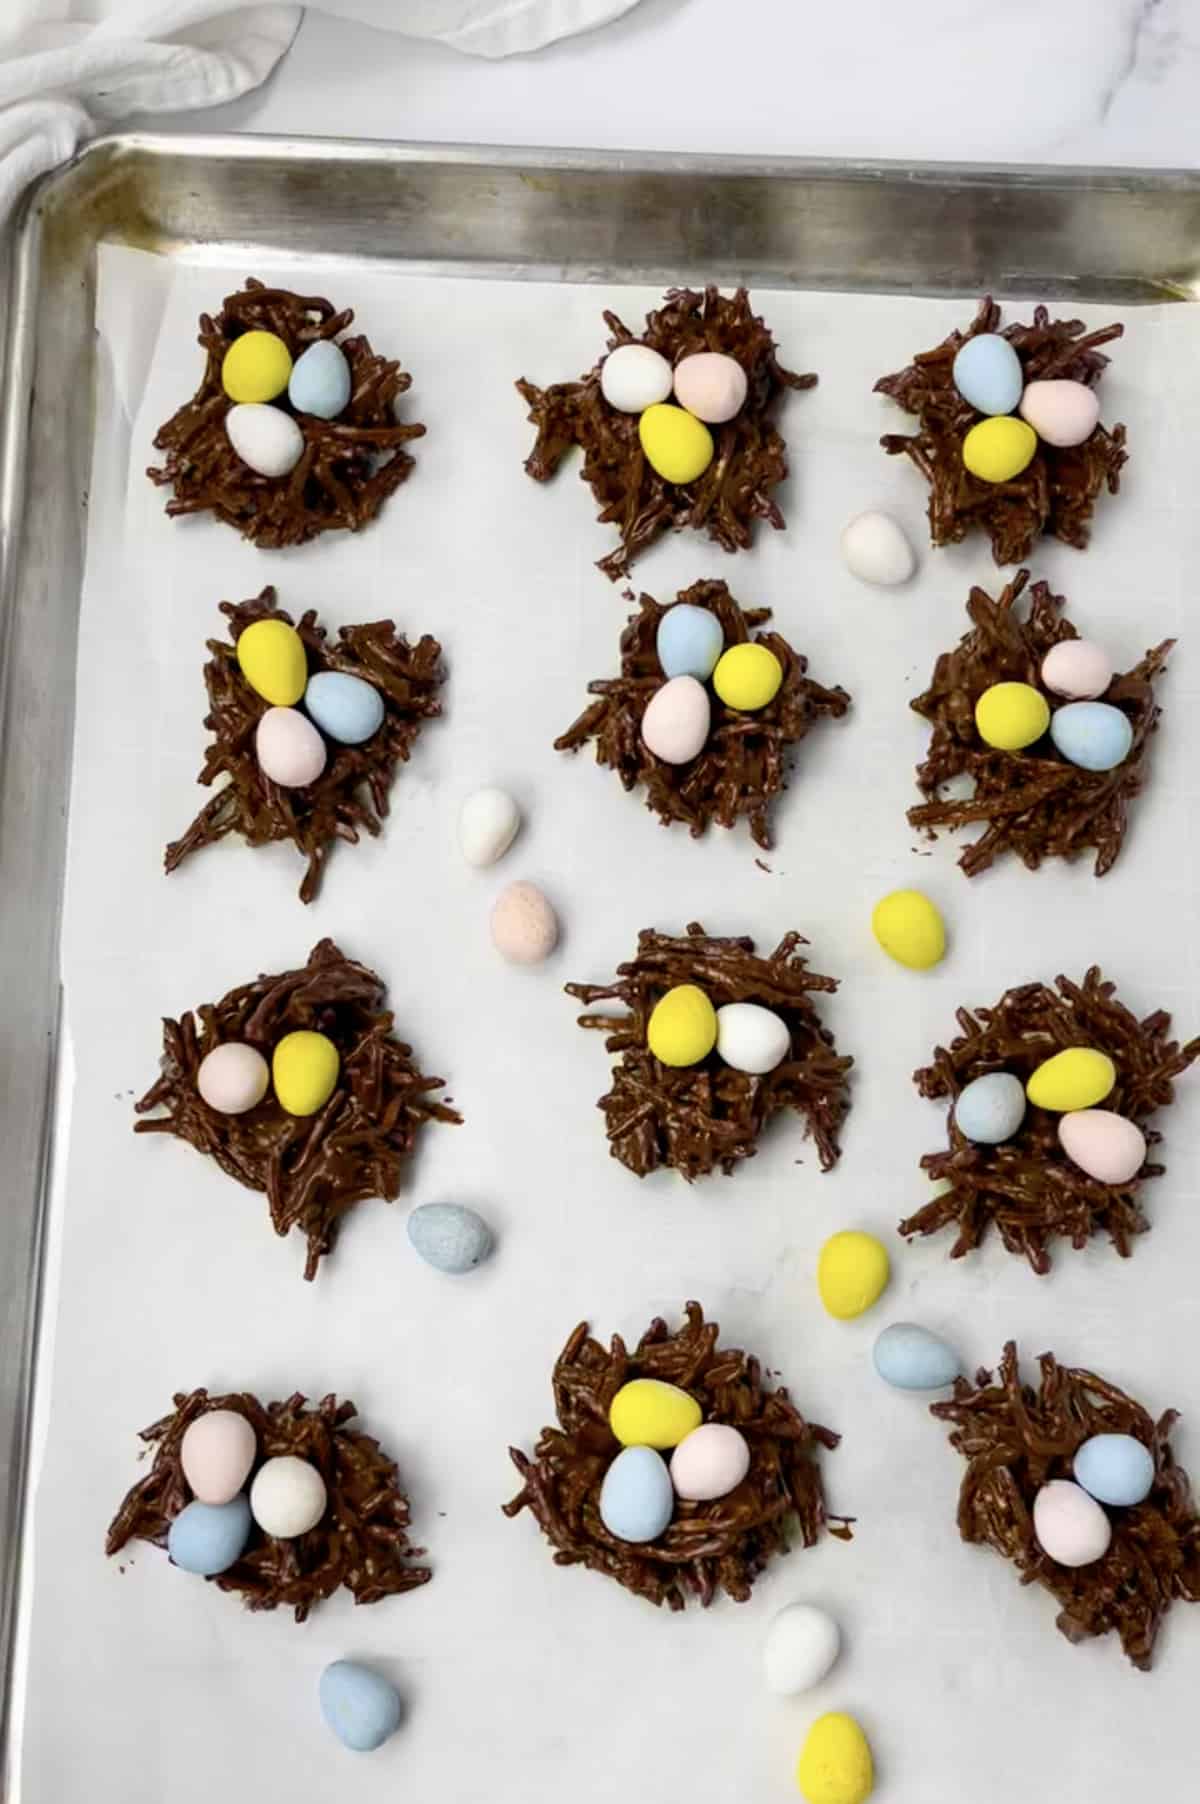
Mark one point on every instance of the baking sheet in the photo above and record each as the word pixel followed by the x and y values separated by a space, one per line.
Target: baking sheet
pixel 523 1681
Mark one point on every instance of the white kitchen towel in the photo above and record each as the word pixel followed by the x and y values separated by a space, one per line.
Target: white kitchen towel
pixel 71 67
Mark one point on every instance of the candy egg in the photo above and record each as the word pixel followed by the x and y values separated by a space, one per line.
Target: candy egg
pixel 689 641
pixel 1116 1469
pixel 682 1028
pixel 304 1070
pixel 633 377
pixel 488 822
pixel 912 1359
pixel 646 1412
pixel 748 676
pixel 1094 735
pixel 802 1644
pixel 1061 413
pixel 987 372
pixel 287 1497
pixel 1011 716
pixel 636 1499
pixel 750 1038
pixel 256 367
pixel 876 551
pixel 1077 669
pixel 835 1765
pixel 267 440
pixel 710 385
pixel 271 657
pixel 1108 1147
pixel 998 450
pixel 524 925
pixel 1070 1526
pixel 361 1706
pixel 910 929
pixel 346 707
pixel 290 750
pixel 449 1236
pixel 233 1078
pixel 677 445
pixel 677 718
pixel 216 1453
pixel 709 1463
pixel 1076 1078
pixel 990 1108
pixel 208 1538
pixel 320 381
pixel 852 1273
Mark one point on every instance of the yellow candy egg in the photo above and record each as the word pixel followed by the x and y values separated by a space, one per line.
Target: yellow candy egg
pixel 256 367
pixel 852 1273
pixel 998 449
pixel 747 677
pixel 676 443
pixel 270 655
pixel 1011 716
pixel 304 1071
pixel 835 1765
pixel 910 929
pixel 682 1028
pixel 1078 1078
pixel 648 1413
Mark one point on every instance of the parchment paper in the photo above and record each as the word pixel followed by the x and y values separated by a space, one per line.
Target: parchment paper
pixel 526 1684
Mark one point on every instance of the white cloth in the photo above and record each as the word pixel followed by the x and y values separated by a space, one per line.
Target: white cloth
pixel 70 67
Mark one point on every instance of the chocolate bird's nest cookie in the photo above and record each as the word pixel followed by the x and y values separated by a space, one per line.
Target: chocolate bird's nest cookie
pixel 745 761
pixel 313 1168
pixel 708 1116
pixel 351 794
pixel 750 455
pixel 1033 802
pixel 1027 1187
pixel 1016 1439
pixel 361 1541
pixel 707 1547
pixel 349 465
pixel 1056 493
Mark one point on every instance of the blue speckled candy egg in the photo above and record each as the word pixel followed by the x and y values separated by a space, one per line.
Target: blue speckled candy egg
pixel 320 380
pixel 345 707
pixel 914 1359
pixel 689 641
pixel 987 373
pixel 637 1498
pixel 450 1236
pixel 1115 1468
pixel 1094 735
pixel 209 1537
pixel 991 1108
pixel 360 1706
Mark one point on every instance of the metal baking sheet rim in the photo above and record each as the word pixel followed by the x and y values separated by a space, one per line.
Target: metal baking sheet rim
pixel 773 220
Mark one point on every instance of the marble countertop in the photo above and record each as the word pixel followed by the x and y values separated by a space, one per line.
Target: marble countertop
pixel 1068 81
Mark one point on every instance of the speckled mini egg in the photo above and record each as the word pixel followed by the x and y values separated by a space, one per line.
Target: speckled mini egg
pixel 1116 1469
pixel 990 1108
pixel 1061 413
pixel 208 1538
pixel 320 380
pixel 634 377
pixel 288 1497
pixel 524 925
pixel 233 1077
pixel 709 1463
pixel 751 1038
pixel 802 1644
pixel 361 1707
pixel 1070 1526
pixel 346 707
pixel 1093 735
pixel 689 641
pixel 449 1236
pixel 636 1497
pixel 216 1453
pixel 676 722
pixel 1077 669
pixel 289 749
pixel 710 385
pixel 987 372
pixel 1109 1147
pixel 267 440
pixel 835 1765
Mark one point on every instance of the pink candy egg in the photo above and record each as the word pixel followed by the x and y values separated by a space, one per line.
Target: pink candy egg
pixel 1108 1147
pixel 1061 413
pixel 290 750
pixel 709 1463
pixel 524 925
pixel 675 725
pixel 233 1078
pixel 1077 668
pixel 216 1453
pixel 710 385
pixel 1070 1526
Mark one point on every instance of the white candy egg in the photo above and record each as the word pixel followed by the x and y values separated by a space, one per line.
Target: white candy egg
pixel 232 1078
pixel 802 1644
pixel 751 1038
pixel 524 925
pixel 287 1497
pixel 875 550
pixel 676 722
pixel 633 377
pixel 1109 1147
pixel 1070 1526
pixel 290 750
pixel 216 1453
pixel 1077 669
pixel 264 437
pixel 710 385
pixel 488 822
pixel 1061 413
pixel 709 1463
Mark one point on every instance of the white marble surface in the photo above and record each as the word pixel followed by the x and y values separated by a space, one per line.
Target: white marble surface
pixel 1075 81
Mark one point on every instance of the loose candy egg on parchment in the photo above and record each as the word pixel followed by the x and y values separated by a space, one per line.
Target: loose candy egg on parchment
pixel 449 1236
pixel 835 1765
pixel 637 1500
pixel 361 1707
pixel 910 929
pixel 875 550
pixel 488 822
pixel 233 1078
pixel 852 1273
pixel 209 1538
pixel 288 1497
pixel 801 1646
pixel 912 1358
pixel 676 721
pixel 524 925
pixel 216 1453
